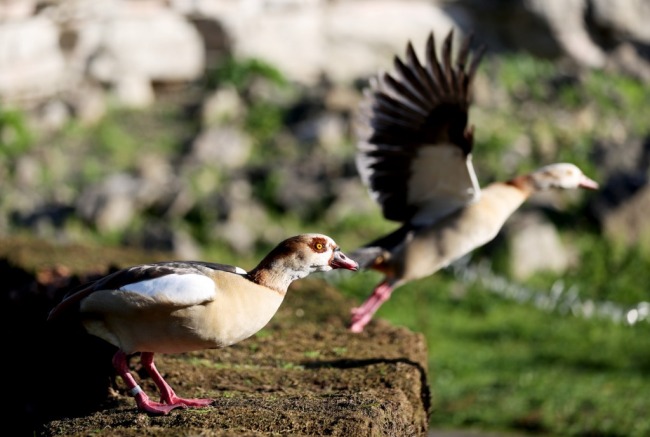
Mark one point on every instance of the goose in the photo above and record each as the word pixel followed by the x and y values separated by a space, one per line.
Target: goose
pixel 182 306
pixel 414 155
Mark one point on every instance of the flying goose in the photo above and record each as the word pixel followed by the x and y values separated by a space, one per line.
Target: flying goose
pixel 414 155
pixel 182 306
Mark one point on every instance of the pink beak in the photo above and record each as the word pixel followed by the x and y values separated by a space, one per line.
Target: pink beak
pixel 342 261
pixel 588 183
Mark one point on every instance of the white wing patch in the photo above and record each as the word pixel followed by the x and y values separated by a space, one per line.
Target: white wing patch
pixel 240 271
pixel 181 290
pixel 442 181
pixel 363 163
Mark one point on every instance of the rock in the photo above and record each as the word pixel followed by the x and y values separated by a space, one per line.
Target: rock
pixel 52 47
pixel 242 232
pixel 88 103
pixel 325 129
pixel 623 19
pixel 342 40
pixel 567 25
pixel 535 246
pixel 352 200
pixel 163 237
pixel 622 203
pixel 622 155
pixel 626 59
pixel 31 63
pixel 53 115
pixel 222 107
pixel 627 221
pixel 362 37
pixel 586 31
pixel 222 146
pixel 299 187
pixel 12 10
pixel 110 205
pixel 133 90
pixel 146 41
pixel 158 44
pixel 247 220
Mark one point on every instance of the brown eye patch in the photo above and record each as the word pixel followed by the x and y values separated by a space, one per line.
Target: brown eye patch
pixel 319 245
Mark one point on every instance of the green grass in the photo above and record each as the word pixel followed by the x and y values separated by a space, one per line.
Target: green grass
pixel 15 137
pixel 607 271
pixel 499 365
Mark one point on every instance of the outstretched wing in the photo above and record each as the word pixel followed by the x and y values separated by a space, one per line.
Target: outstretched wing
pixel 414 149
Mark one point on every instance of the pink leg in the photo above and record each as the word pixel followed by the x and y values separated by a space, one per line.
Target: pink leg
pixel 142 400
pixel 167 394
pixel 363 314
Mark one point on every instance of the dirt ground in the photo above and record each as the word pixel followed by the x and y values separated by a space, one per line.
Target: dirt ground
pixel 304 374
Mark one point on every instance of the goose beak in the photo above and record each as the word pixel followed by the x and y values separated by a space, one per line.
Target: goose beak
pixel 342 261
pixel 588 183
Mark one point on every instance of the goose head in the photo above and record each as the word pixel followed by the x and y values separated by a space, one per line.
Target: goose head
pixel 561 175
pixel 297 257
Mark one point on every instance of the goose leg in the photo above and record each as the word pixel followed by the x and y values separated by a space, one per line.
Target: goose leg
pixel 363 314
pixel 143 402
pixel 167 395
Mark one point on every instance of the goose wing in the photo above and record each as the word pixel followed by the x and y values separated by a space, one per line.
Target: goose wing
pixel 414 148
pixel 172 283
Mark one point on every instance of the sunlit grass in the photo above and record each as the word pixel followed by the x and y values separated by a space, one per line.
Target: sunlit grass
pixel 497 364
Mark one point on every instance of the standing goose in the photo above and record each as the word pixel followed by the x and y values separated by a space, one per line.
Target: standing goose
pixel 182 306
pixel 415 158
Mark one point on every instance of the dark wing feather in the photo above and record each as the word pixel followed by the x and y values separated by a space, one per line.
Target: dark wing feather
pixel 415 107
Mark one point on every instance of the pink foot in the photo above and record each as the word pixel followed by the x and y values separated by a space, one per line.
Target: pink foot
pixel 193 403
pixel 168 399
pixel 362 315
pixel 360 318
pixel 358 326
pixel 146 405
pixel 356 311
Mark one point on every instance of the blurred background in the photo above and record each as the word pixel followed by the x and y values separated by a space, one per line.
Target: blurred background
pixel 212 129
